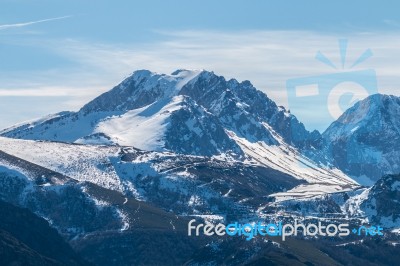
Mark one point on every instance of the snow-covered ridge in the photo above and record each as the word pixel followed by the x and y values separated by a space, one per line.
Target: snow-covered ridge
pixel 81 162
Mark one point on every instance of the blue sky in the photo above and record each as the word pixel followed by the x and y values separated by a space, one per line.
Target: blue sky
pixel 57 55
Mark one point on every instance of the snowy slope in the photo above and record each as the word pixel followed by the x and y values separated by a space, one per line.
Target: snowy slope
pixel 267 170
pixel 100 165
pixel 285 158
pixel 178 182
pixel 81 162
pixel 143 128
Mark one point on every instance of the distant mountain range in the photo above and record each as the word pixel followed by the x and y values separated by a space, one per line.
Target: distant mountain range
pixel 200 113
pixel 158 149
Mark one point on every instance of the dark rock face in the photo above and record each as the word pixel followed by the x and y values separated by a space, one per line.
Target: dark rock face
pixel 193 130
pixel 141 89
pixel 26 239
pixel 243 109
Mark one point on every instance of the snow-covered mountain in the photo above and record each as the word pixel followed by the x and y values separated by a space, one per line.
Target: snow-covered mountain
pixel 157 111
pixel 192 113
pixel 365 141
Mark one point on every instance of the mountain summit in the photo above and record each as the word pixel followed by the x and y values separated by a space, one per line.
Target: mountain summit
pixel 188 111
pixel 365 141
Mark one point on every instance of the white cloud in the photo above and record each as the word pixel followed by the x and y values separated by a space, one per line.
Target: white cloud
pixel 44 92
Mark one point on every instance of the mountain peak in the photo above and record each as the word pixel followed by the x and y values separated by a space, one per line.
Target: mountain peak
pixel 142 88
pixel 369 110
pixel 382 97
pixel 372 102
pixel 365 140
pixel 184 72
pixel 142 73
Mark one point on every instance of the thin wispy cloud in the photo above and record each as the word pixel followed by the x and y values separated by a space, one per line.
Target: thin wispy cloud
pixel 24 24
pixel 46 91
pixel 266 58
